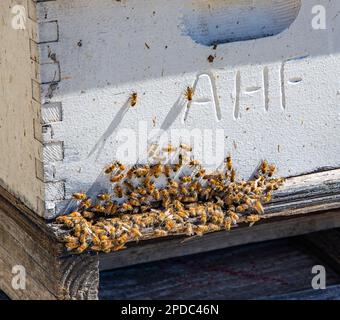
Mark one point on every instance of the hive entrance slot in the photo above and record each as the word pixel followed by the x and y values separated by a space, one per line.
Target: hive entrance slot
pixel 211 22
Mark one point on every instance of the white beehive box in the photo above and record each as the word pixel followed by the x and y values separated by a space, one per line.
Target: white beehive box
pixel 264 72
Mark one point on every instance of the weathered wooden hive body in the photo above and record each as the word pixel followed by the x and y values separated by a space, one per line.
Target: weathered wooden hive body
pixel 264 74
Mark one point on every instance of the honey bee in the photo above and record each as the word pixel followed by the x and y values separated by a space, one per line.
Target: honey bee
pixel 118 191
pixel 69 223
pixel 133 99
pixel 82 248
pixel 156 195
pixel 98 208
pixel 170 225
pixel 212 227
pixel 141 172
pixel 70 246
pixel 200 173
pixel 169 148
pixel 126 207
pixel 203 217
pixel 194 163
pixel 258 207
pixel 267 197
pixel 71 239
pixel 134 202
pixel 88 214
pixel 227 224
pixel 156 170
pixel 160 233
pixel 79 196
pixel 117 178
pixel 183 214
pixel 119 247
pixel 147 181
pixel 110 208
pixel 167 170
pixel 129 185
pixel 106 245
pixel 194 186
pixel 104 197
pixel 120 166
pixel 217 217
pixel 189 93
pixel 206 193
pixel 85 204
pixel 186 147
pixel 201 229
pixel 75 214
pixel 130 173
pixel 135 233
pixel 110 168
pixel 233 216
pixel 176 167
pixel 219 202
pixel 186 179
pixel 189 229
pixel 141 191
pixel 172 183
pixel 178 205
pixel 233 175
pixel 190 199
pixel 150 188
pixel 272 169
pixel 182 159
pixel 166 202
pixel 183 190
pixel 229 163
pixel 242 208
pixel 253 219
pixel 264 167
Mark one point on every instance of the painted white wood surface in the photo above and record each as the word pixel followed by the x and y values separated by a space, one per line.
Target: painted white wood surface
pixel 19 149
pixel 274 97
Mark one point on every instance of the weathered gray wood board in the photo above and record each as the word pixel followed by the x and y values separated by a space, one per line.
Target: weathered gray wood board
pixel 259 271
pixel 153 250
pixel 27 241
pixel 279 270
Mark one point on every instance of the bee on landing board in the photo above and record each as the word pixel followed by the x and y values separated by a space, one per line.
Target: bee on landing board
pixel 79 196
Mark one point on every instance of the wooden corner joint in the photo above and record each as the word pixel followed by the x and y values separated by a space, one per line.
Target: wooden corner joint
pixel 79 278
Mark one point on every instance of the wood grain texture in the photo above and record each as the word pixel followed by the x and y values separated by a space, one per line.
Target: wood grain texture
pixel 275 268
pixel 27 241
pixel 18 73
pixel 153 250
pixel 325 245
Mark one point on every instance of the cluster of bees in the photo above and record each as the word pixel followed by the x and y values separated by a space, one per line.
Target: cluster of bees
pixel 157 200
